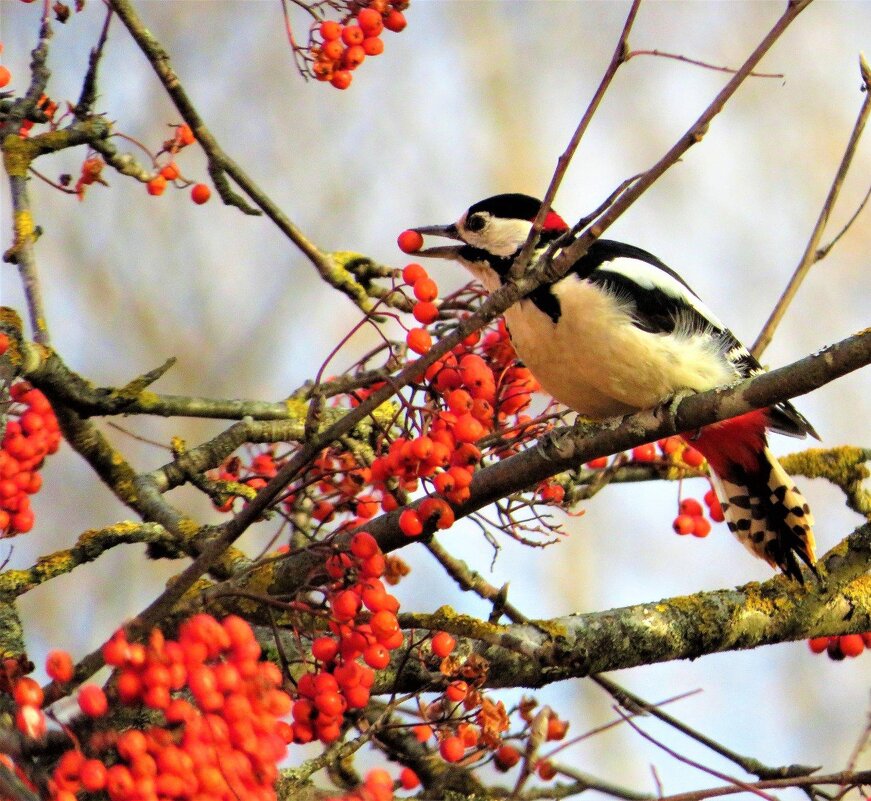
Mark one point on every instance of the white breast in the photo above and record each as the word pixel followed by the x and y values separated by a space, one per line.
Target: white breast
pixel 595 361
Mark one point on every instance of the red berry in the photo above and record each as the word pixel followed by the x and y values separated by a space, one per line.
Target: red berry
pixel 332 50
pixel 184 135
pixel 330 703
pixel 418 340
pixel 341 79
pixel 27 692
pixel 851 644
pixel 457 690
pixel 170 171
pixel 644 453
pixel 692 457
pixel 364 545
pixel 410 523
pixel 345 605
pixel 395 21
pixel 330 29
pixel 701 527
pixel 598 463
pixel 370 21
pixel 374 46
pixel 556 728
pixel 507 756
pixel 200 193
pixel 353 57
pixel 438 510
pixel 384 624
pixel 425 312
pixel 410 242
pixel 413 272
pixel 426 289
pixel 59 665
pixel 546 770
pixel 93 774
pixel 353 35
pixel 376 656
pixel 684 524
pixel 324 648
pixel 408 779
pixel 691 507
pixel 5 76
pixel 714 509
pixel 452 749
pixel 92 700
pixel 468 429
pixel 422 732
pixel 156 186
pixel 442 644
pixel 818 644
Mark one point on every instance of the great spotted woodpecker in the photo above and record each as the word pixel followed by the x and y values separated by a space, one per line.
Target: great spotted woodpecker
pixel 622 332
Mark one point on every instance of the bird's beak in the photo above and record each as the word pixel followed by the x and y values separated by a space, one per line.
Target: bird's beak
pixel 440 251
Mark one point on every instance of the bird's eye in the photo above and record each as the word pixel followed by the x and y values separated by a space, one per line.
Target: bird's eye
pixel 475 222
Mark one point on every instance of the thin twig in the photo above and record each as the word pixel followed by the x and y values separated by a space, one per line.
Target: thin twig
pixel 696 62
pixel 691 762
pixel 824 250
pixel 221 165
pixel 846 778
pixel 694 134
pixel 749 764
pixel 810 257
pixel 618 58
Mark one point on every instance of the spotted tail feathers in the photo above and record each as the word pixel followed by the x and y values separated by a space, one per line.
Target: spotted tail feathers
pixel 768 515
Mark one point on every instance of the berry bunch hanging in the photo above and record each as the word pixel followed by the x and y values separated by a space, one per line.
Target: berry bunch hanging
pixel 337 47
pixel 32 433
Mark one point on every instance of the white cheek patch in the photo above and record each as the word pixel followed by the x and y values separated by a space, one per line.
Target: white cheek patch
pixel 647 276
pixel 499 237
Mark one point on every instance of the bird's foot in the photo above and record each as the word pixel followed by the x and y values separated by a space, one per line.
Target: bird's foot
pixel 668 409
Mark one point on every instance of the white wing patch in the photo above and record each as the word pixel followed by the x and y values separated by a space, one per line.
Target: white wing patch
pixel 649 277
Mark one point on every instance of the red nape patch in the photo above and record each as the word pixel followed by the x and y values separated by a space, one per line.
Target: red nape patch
pixel 732 443
pixel 553 222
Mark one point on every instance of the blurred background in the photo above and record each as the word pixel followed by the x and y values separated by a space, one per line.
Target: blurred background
pixel 473 98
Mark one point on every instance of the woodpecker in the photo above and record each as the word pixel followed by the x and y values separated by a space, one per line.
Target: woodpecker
pixel 621 332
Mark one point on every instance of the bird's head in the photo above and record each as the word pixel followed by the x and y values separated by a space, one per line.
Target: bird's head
pixel 490 234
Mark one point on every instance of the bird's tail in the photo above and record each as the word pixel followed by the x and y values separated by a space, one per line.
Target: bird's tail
pixel 762 505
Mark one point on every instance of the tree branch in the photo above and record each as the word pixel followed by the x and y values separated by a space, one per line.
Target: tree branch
pixel 684 627
pixel 568 447
pixel 812 252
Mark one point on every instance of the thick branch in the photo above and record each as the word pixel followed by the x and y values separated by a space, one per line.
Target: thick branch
pixel 568 447
pixel 676 628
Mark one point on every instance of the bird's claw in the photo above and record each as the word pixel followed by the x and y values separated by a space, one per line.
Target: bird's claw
pixel 668 409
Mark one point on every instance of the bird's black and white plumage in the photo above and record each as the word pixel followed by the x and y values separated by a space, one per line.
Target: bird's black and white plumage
pixel 621 332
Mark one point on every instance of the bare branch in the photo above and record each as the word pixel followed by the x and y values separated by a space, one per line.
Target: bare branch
pixel 812 254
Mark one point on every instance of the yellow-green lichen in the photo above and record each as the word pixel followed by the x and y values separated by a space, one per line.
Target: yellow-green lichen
pixel 24 227
pixel 17 155
pixel 446 618
pixel 297 408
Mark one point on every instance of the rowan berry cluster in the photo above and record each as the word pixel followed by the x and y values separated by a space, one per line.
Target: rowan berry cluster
pixel 839 647
pixel 168 171
pixel 359 642
pixel 220 735
pixel 337 48
pixel 471 392
pixel 677 452
pixel 32 433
